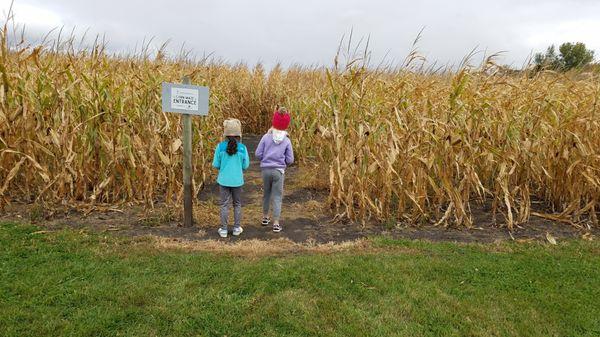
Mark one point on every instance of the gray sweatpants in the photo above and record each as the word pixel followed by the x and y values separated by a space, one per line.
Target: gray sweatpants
pixel 273 190
pixel 231 194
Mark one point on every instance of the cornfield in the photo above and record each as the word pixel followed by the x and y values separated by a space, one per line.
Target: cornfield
pixel 83 126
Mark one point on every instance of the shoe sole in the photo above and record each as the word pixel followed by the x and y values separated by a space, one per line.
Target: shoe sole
pixel 276 230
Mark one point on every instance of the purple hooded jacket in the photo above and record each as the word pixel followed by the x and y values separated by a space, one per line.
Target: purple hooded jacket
pixel 272 155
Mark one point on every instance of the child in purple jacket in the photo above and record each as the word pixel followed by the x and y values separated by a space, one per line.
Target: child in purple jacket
pixel 275 153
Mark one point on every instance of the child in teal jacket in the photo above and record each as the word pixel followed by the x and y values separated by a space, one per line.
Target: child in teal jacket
pixel 231 159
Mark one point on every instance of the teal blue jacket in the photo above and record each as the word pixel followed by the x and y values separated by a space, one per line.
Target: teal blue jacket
pixel 231 167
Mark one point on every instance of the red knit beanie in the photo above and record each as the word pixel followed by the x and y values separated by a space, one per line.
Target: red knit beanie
pixel 281 119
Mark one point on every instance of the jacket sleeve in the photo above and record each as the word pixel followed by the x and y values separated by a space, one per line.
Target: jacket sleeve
pixel 246 162
pixel 289 154
pixel 260 149
pixel 216 159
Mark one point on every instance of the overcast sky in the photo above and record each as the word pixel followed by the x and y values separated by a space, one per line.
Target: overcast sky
pixel 308 31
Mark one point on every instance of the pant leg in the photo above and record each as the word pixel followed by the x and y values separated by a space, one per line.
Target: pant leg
pixel 267 181
pixel 236 193
pixel 225 193
pixel 277 192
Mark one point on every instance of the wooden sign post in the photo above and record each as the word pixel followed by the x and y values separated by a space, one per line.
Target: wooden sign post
pixel 188 100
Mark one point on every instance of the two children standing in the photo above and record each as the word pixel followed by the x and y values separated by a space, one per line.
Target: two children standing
pixel 231 158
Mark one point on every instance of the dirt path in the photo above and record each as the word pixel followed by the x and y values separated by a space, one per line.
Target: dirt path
pixel 305 218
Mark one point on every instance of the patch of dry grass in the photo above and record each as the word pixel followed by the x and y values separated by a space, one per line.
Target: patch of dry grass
pixel 278 247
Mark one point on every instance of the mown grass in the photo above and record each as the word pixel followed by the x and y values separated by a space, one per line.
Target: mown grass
pixel 72 283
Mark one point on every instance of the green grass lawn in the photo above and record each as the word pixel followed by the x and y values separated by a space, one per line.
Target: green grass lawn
pixel 76 284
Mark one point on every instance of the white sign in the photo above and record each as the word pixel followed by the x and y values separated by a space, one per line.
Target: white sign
pixel 185 99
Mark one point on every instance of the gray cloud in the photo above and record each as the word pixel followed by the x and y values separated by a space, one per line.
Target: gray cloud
pixel 308 32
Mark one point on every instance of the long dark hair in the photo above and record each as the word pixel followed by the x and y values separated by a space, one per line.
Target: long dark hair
pixel 232 142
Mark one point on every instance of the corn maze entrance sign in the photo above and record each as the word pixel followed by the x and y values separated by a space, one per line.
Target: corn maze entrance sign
pixel 187 100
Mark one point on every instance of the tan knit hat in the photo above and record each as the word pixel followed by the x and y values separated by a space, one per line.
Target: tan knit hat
pixel 233 127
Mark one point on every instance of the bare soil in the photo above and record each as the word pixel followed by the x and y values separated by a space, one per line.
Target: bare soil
pixel 306 217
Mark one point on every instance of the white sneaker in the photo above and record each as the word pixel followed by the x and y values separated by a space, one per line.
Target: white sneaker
pixel 222 232
pixel 237 231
